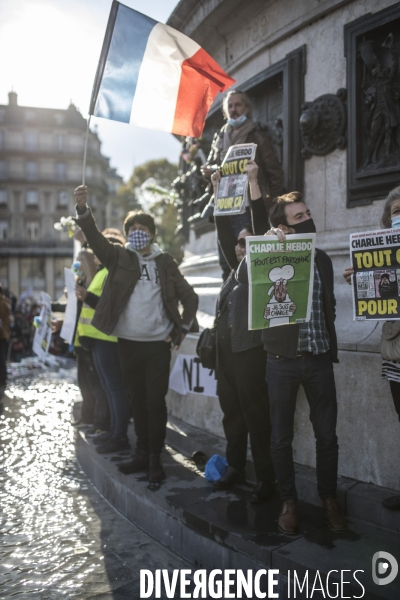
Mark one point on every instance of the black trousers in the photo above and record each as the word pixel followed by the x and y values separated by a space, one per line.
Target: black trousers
pixel 94 406
pixel 243 396
pixel 3 364
pixel 395 389
pixel 284 377
pixel 145 366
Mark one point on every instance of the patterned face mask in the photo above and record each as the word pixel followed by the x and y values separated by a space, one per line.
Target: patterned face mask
pixel 139 239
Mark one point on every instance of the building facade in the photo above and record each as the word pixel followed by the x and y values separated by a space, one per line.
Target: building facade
pixel 41 157
pixel 324 79
pixel 115 208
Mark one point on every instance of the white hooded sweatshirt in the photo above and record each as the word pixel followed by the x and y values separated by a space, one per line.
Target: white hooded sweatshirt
pixel 144 318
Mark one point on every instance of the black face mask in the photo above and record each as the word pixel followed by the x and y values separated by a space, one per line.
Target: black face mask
pixel 304 227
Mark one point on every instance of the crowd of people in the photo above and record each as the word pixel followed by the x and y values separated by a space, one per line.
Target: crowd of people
pixel 16 329
pixel 135 307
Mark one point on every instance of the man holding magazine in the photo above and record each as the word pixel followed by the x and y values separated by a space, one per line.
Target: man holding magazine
pixel 302 354
pixel 240 129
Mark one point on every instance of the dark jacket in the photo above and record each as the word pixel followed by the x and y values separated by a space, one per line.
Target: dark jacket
pixel 226 235
pixel 5 318
pixel 283 339
pixel 233 295
pixel 270 174
pixel 124 273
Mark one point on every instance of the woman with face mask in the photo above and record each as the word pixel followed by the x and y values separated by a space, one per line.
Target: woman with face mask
pixel 139 306
pixel 390 369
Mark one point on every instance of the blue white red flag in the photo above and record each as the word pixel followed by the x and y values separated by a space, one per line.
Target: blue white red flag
pixel 151 75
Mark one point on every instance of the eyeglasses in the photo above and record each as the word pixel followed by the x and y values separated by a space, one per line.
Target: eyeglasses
pixel 241 242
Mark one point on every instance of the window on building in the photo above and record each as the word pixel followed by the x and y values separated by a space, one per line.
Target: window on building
pixel 32 231
pixel 4 272
pixel 3 231
pixel 89 171
pixel 32 199
pixel 31 170
pixel 2 115
pixel 32 273
pixel 59 283
pixel 31 141
pixel 59 118
pixel 60 140
pixel 61 171
pixel 59 265
pixel 30 115
pixel 3 198
pixel 62 235
pixel 62 199
pixel 3 169
pixel 2 140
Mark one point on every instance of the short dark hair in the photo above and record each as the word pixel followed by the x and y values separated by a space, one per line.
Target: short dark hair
pixel 277 213
pixel 114 235
pixel 139 216
pixel 392 196
pixel 248 227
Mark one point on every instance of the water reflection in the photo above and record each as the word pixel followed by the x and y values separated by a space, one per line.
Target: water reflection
pixel 46 543
pixel 59 538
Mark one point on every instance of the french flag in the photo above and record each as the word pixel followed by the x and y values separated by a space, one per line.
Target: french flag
pixel 151 75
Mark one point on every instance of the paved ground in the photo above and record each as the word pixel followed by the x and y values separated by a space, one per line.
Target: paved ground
pixel 59 538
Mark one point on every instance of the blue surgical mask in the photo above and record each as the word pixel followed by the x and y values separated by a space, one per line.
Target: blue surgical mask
pixel 396 222
pixel 139 239
pixel 237 122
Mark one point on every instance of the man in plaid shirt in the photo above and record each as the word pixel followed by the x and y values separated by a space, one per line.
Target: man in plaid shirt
pixel 311 367
pixel 302 354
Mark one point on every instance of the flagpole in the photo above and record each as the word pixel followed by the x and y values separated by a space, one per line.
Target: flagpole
pixel 85 151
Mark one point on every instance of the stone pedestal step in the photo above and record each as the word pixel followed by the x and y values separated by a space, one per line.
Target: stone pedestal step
pixel 363 501
pixel 224 530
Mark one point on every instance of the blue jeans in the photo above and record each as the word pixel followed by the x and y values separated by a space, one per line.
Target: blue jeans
pixel 106 360
pixel 315 374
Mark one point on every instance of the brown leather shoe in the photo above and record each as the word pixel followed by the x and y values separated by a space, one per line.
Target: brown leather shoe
pixel 287 521
pixel 334 515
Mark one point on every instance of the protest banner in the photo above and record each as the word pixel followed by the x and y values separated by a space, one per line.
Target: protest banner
pixel 281 278
pixel 42 339
pixel 231 197
pixel 69 324
pixel 189 376
pixel 375 257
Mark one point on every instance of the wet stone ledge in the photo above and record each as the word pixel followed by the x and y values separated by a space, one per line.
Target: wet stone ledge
pixel 224 530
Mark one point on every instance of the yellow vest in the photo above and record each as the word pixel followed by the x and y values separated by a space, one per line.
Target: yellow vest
pixel 85 327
